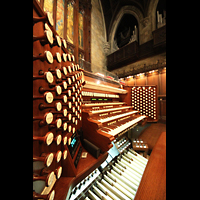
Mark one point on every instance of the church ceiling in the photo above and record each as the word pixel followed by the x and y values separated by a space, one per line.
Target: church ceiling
pixel 112 7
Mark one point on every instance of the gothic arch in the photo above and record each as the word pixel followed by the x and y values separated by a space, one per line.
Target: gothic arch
pixel 152 13
pixel 124 10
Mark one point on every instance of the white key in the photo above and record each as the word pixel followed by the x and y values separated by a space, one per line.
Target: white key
pixel 107 191
pixel 133 163
pixel 121 173
pixel 114 189
pixel 124 126
pixel 129 153
pixel 128 191
pixel 93 196
pixel 130 169
pixel 123 179
pixel 131 174
pixel 132 166
pixel 100 193
pixel 141 157
pixel 132 158
pixel 135 166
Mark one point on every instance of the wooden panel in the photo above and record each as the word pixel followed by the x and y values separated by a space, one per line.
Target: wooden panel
pixel 127 97
pixel 162 109
pixel 130 53
pixel 131 82
pixel 159 36
pixel 141 80
pixel 153 79
pixel 153 182
pixel 152 134
pixel 163 84
pixel 124 55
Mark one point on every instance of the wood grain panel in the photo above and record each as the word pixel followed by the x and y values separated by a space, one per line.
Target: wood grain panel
pixel 153 182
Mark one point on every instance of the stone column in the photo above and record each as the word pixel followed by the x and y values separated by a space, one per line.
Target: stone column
pixel 106 47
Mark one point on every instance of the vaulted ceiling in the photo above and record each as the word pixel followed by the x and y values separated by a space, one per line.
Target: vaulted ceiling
pixel 112 7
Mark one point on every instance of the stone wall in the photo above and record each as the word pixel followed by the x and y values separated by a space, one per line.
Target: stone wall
pixel 98 56
pixel 101 46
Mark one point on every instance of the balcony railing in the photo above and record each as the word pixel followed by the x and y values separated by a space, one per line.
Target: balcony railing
pixel 133 52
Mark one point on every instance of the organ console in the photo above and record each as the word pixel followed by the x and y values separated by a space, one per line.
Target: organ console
pixel 72 107
pixel 107 119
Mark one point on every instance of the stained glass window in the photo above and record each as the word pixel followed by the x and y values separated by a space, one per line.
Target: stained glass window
pixel 48 6
pixel 60 17
pixel 70 22
pixel 80 30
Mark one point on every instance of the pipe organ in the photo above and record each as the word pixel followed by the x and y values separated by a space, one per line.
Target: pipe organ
pixel 77 113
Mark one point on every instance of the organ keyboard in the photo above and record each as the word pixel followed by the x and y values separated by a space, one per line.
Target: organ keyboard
pixel 126 175
pixel 105 115
pixel 118 177
pixel 107 121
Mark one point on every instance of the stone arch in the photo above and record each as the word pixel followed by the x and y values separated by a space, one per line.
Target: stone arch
pixel 152 13
pixel 124 10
